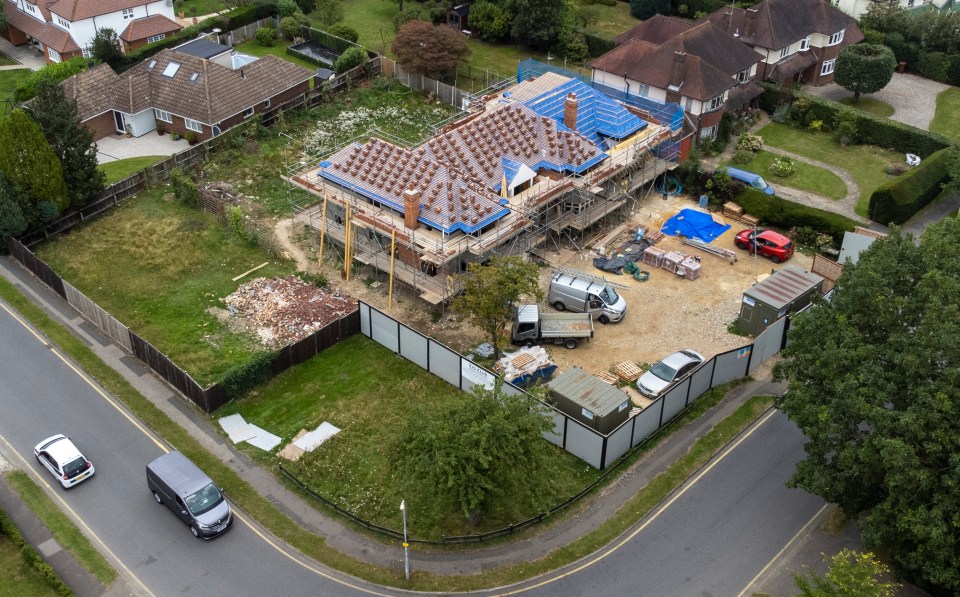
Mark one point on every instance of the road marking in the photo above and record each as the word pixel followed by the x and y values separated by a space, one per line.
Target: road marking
pixel 651 518
pixel 785 548
pixel 64 505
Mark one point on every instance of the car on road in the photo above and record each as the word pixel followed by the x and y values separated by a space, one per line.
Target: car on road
pixel 668 371
pixel 58 455
pixel 765 242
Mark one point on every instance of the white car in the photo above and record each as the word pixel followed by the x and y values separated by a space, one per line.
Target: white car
pixel 668 371
pixel 58 455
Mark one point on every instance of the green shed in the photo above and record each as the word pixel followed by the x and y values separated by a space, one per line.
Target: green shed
pixel 590 400
pixel 785 291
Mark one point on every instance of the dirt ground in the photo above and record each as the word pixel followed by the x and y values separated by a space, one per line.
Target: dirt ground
pixel 664 313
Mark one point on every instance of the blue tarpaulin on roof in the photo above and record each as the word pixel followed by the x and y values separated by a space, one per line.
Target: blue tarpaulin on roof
pixel 694 224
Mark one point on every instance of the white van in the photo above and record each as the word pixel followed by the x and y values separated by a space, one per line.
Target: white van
pixel 586 294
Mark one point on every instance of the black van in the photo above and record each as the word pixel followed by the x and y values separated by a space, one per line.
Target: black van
pixel 190 494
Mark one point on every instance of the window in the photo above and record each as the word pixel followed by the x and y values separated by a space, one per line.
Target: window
pixel 688 105
pixel 154 38
pixel 643 90
pixel 53 54
pixel 827 67
pixel 127 13
pixel 836 38
pixel 193 125
pixel 266 104
pixel 784 52
pixel 715 103
pixel 710 132
pixel 805 44
pixel 31 8
pixel 743 76
pixel 248 112
pixel 171 69
pixel 163 115
pixel 63 22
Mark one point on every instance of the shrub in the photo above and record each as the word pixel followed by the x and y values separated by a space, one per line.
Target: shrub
pixel 743 156
pixel 241 378
pixel 191 137
pixel 783 167
pixel 266 36
pixel 953 73
pixel 896 168
pixel 352 57
pixel 58 71
pixel 597 45
pixel 934 65
pixel 781 114
pixel 845 128
pixel 749 142
pixel 184 189
pixel 289 27
pixel 815 125
pixel 286 8
pixel 345 32
pixel 720 188
pixel 411 13
pixel 897 200
pixel 781 213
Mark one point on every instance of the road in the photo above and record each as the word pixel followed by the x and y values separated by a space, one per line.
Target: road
pixel 711 538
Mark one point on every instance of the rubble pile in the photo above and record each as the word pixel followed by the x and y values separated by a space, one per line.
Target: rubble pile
pixel 286 310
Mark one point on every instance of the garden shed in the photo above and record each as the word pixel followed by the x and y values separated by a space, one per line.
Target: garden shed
pixel 785 291
pixel 590 400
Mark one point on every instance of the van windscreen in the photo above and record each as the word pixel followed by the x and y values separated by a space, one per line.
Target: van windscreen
pixel 760 183
pixel 204 500
pixel 609 296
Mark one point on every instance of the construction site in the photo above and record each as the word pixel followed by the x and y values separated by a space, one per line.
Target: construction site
pixel 535 165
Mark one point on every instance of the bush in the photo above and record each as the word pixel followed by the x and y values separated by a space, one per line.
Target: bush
pixel 266 36
pixel 934 65
pixel 783 167
pixel 411 13
pixel 250 13
pixel 781 114
pixel 953 73
pixel 58 71
pixel 597 45
pixel 781 213
pixel 749 142
pixel 31 557
pixel 191 137
pixel 897 200
pixel 286 8
pixel 896 168
pixel 743 156
pixel 352 57
pixel 345 32
pixel 289 27
pixel 239 379
pixel 183 187
pixel 720 188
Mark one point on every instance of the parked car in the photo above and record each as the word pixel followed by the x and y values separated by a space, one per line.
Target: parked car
pixel 190 494
pixel 58 455
pixel 754 180
pixel 765 242
pixel 668 371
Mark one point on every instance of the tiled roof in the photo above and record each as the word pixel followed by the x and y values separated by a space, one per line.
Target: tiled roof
pixel 779 23
pixel 148 27
pixel 458 172
pixel 92 89
pixel 789 68
pixel 50 35
pixel 76 10
pixel 656 30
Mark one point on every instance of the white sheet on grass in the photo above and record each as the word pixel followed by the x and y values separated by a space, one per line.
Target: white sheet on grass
pixel 238 429
pixel 316 437
pixel 263 439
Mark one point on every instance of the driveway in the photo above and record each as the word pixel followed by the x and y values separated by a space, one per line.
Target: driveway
pixel 25 55
pixel 913 98
pixel 120 147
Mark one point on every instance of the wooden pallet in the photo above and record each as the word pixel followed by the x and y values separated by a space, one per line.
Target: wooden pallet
pixel 606 376
pixel 628 371
pixel 522 360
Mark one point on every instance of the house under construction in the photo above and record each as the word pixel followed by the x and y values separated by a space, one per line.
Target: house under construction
pixel 550 156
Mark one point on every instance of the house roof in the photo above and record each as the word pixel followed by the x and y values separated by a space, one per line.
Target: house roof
pixel 148 27
pixel 779 23
pixel 202 48
pixel 92 90
pixel 76 10
pixel 50 35
pixel 789 68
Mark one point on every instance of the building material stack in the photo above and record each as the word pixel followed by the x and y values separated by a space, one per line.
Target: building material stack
pixel 653 256
pixel 690 267
pixel 671 262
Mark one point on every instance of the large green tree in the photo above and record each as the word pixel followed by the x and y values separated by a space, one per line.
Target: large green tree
pixel 644 9
pixel 864 68
pixel 12 221
pixel 492 291
pixel 433 50
pixel 71 142
pixel 105 47
pixel 849 574
pixel 31 167
pixel 874 381
pixel 476 447
pixel 539 23
pixel 490 21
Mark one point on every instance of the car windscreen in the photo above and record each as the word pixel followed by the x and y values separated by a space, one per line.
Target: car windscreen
pixel 75 467
pixel 760 183
pixel 609 296
pixel 664 372
pixel 204 500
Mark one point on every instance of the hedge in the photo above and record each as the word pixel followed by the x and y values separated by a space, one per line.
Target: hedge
pixel 776 211
pixel 31 557
pixel 897 200
pixel 597 45
pixel 871 130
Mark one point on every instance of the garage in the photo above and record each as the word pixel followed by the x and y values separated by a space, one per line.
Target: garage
pixel 783 292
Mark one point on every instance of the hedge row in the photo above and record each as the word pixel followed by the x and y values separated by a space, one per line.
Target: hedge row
pixel 898 199
pixel 30 556
pixel 597 45
pixel 776 211
pixel 871 130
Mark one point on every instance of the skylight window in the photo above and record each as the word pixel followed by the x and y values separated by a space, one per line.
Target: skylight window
pixel 194 76
pixel 152 64
pixel 171 69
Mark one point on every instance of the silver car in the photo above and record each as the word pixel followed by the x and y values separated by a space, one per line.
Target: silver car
pixel 58 455
pixel 668 371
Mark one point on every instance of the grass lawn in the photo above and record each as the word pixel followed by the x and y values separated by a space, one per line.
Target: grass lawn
pixel 946 122
pixel 367 400
pixel 9 79
pixel 613 20
pixel 17 578
pixel 157 266
pixel 870 106
pixel 807 177
pixel 120 169
pixel 865 163
pixel 6 60
pixel 198 8
pixel 64 531
pixel 279 49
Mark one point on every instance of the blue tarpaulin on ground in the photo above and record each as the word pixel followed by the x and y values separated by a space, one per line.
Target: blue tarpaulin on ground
pixel 694 224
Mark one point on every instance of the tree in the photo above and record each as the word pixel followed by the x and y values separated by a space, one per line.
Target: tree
pixel 286 8
pixel 31 168
pixel 491 292
pixel 352 57
pixel 864 68
pixel 433 50
pixel 644 9
pixel 306 6
pixel 71 142
pixel 886 16
pixel 12 221
pixel 490 21
pixel 849 574
pixel 873 376
pixel 328 12
pixel 538 23
pixel 476 447
pixel 106 47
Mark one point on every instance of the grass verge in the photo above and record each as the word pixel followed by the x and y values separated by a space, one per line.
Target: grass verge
pixel 64 531
pixel 22 572
pixel 9 79
pixel 6 60
pixel 945 121
pixel 870 106
pixel 120 169
pixel 807 177
pixel 270 516
pixel 279 50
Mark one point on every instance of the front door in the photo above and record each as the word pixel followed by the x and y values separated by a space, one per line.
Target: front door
pixel 118 121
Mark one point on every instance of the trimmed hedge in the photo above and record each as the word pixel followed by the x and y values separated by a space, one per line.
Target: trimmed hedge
pixel 597 45
pixel 30 556
pixel 776 211
pixel 871 130
pixel 897 200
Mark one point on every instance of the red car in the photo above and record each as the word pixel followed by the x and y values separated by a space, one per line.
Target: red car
pixel 766 242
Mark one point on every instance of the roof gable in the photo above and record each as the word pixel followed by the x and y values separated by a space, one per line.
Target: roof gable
pixel 148 27
pixel 779 23
pixel 77 10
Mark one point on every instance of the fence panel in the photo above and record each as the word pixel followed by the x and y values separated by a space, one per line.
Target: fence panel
pixel 165 368
pixel 555 435
pixel 700 381
pixel 675 400
pixel 731 365
pixel 36 266
pixel 586 444
pixel 618 442
pixel 414 346
pixel 385 330
pixel 95 314
pixel 648 421
pixel 768 343
pixel 444 363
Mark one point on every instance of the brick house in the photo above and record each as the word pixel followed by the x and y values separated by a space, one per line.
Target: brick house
pixel 696 65
pixel 182 93
pixel 63 29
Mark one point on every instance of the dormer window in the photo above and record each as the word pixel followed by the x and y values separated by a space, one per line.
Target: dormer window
pixel 836 38
pixel 805 44
pixel 743 76
pixel 715 103
pixel 127 13
pixel 65 24
pixel 784 52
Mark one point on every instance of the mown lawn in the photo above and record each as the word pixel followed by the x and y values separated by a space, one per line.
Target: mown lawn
pixel 865 163
pixel 17 578
pixel 279 49
pixel 946 122
pixel 9 79
pixel 6 60
pixel 870 106
pixel 158 266
pixel 807 177
pixel 117 170
pixel 198 8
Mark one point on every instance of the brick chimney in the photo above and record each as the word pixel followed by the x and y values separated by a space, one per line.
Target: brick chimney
pixel 676 77
pixel 750 23
pixel 570 111
pixel 411 208
pixel 727 16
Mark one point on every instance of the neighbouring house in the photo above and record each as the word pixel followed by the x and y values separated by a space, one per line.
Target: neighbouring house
pixel 549 157
pixel 182 93
pixel 457 17
pixel 693 64
pixel 857 8
pixel 63 29
pixel 798 40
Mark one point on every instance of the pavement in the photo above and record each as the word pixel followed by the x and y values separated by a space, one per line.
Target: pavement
pixel 120 147
pixel 25 55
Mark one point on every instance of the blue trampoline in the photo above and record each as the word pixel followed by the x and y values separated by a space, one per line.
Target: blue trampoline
pixel 694 224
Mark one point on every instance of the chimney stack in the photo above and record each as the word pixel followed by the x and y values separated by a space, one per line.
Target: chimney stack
pixel 411 208
pixel 750 23
pixel 570 111
pixel 727 17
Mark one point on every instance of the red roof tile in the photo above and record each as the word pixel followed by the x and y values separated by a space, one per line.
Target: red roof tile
pixel 50 35
pixel 148 27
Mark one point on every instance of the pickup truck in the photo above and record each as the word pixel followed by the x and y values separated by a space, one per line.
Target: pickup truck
pixel 530 327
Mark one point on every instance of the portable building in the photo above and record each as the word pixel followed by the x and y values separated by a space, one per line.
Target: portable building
pixel 590 400
pixel 785 291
